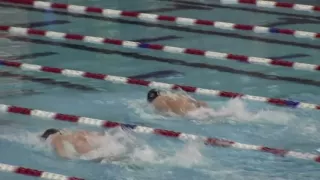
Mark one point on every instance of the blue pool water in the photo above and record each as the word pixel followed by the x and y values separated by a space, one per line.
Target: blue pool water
pixel 153 157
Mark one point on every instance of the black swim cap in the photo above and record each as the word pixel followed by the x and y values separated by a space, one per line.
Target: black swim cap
pixel 48 132
pixel 153 94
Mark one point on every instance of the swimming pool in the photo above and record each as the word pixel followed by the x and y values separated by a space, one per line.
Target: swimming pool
pixel 151 156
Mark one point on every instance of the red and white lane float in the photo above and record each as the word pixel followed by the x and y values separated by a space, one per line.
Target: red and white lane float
pixel 17 31
pixel 34 172
pixel 112 13
pixel 274 5
pixel 154 84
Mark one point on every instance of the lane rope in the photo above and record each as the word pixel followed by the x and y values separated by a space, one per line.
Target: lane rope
pixel 34 172
pixel 162 132
pixel 274 4
pixel 112 13
pixel 154 84
pixel 18 31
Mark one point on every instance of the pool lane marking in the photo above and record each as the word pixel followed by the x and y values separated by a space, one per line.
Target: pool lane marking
pixel 158 74
pixel 41 23
pixel 155 39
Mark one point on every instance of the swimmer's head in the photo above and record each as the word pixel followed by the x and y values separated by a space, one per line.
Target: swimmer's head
pixel 49 132
pixel 152 95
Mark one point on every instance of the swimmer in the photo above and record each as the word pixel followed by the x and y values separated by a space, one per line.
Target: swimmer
pixel 71 144
pixel 176 103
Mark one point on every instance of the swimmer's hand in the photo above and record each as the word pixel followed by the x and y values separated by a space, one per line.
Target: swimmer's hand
pixel 59 147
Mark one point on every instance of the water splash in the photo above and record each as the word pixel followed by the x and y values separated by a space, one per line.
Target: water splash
pixel 236 110
pixel 29 139
pixel 190 155
pixel 120 147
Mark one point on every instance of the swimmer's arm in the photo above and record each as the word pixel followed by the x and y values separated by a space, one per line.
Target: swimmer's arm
pixel 58 145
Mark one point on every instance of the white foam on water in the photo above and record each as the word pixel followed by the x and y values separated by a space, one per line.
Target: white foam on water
pixel 29 139
pixel 187 156
pixel 120 147
pixel 190 155
pixel 310 130
pixel 306 131
pixel 236 110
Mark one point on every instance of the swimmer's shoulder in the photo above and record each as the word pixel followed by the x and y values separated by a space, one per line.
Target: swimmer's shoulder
pixel 61 137
pixel 161 103
pixel 168 100
pixel 56 140
pixel 160 99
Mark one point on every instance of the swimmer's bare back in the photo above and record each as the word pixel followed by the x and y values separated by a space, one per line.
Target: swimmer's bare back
pixel 79 140
pixel 179 104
